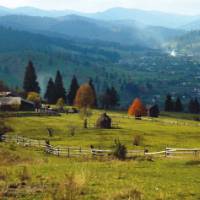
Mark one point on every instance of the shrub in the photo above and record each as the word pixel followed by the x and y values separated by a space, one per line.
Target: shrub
pixel 60 103
pixel 34 97
pixel 69 189
pixel 120 150
pixel 72 130
pixel 132 194
pixel 3 175
pixel 24 175
pixel 137 140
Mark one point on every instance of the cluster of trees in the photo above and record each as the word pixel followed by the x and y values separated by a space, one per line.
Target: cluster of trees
pixel 55 90
pixel 194 106
pixel 2 86
pixel 177 106
pixel 138 109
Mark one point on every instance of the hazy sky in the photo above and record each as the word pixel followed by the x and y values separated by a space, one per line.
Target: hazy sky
pixel 176 6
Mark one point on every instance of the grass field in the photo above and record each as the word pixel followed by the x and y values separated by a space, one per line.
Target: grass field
pixel 35 175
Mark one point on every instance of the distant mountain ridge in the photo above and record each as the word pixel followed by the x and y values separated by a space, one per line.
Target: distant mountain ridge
pixel 153 18
pixel 124 32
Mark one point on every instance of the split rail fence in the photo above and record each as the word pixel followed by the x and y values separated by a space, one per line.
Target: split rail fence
pixel 79 151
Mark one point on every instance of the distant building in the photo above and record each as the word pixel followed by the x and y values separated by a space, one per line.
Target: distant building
pixel 12 102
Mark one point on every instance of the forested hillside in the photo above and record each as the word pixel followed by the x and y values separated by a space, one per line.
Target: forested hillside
pixel 188 43
pixel 124 32
pixel 133 70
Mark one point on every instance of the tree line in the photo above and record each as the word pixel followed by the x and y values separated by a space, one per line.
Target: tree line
pixel 55 89
pixel 177 105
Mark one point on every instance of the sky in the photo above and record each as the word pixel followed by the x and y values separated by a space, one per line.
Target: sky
pixel 190 7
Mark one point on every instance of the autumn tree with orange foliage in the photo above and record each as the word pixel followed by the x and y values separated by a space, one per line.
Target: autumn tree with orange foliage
pixel 137 108
pixel 85 99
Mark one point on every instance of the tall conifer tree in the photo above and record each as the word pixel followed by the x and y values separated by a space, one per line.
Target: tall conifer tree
pixel 30 83
pixel 59 88
pixel 94 90
pixel 74 86
pixel 178 105
pixel 169 105
pixel 114 97
pixel 50 92
pixel 196 106
pixel 191 107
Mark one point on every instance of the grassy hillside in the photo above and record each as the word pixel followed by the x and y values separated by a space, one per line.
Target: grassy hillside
pixel 33 174
pixel 156 134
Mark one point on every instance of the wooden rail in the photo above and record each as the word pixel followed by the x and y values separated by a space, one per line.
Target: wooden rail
pixel 79 151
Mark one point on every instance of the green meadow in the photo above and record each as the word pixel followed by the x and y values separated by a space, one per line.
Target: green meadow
pixel 29 173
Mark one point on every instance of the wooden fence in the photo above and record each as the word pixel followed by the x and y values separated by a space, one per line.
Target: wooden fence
pixel 79 151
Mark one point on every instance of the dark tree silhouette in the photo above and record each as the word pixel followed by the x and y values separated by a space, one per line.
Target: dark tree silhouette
pixel 169 105
pixel 110 98
pixel 30 83
pixel 191 107
pixel 154 111
pixel 196 106
pixel 72 91
pixel 59 88
pixel 94 91
pixel 3 87
pixel 178 105
pixel 50 92
pixel 114 97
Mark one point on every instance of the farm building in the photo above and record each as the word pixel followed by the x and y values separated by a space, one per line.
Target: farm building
pixel 16 103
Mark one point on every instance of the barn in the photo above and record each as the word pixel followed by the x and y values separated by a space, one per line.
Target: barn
pixel 10 103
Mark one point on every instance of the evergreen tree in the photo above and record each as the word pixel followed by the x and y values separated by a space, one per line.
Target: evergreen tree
pixel 110 98
pixel 178 105
pixel 191 107
pixel 50 92
pixel 72 91
pixel 196 106
pixel 169 105
pixel 59 88
pixel 94 91
pixel 3 87
pixel 105 99
pixel 30 83
pixel 114 97
pixel 154 111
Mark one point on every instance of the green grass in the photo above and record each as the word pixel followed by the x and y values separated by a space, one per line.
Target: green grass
pixel 156 134
pixel 102 178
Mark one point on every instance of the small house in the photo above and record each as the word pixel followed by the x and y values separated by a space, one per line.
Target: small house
pixel 8 103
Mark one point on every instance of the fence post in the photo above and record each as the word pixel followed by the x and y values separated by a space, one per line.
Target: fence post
pixel 68 153
pixel 80 150
pixel 23 141
pixel 195 153
pixel 165 151
pixel 58 151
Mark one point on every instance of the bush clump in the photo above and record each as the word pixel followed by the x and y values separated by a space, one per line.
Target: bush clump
pixel 120 150
pixel 132 194
pixel 137 140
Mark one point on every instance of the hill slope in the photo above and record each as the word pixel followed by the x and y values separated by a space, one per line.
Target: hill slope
pixel 123 32
pixel 153 18
pixel 133 70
